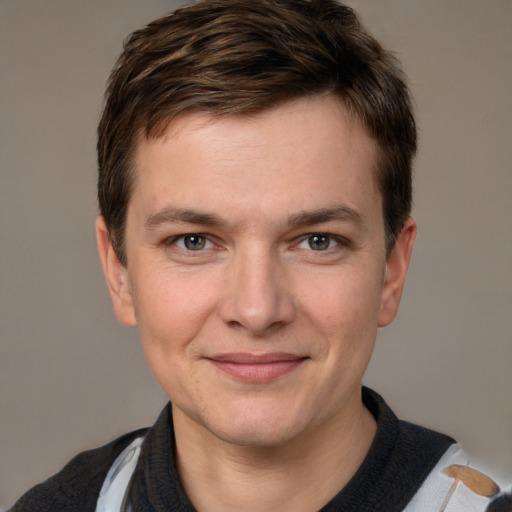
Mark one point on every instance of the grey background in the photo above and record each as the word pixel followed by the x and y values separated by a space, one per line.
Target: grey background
pixel 71 378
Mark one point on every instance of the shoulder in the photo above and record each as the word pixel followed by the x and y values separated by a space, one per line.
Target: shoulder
pixel 76 487
pixel 455 485
pixel 425 471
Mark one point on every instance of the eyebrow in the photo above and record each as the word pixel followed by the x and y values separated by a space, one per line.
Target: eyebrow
pixel 176 215
pixel 339 212
pixel 170 215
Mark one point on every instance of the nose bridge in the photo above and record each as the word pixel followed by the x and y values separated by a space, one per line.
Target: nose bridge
pixel 257 295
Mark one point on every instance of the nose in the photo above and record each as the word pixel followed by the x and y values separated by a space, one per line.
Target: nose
pixel 257 296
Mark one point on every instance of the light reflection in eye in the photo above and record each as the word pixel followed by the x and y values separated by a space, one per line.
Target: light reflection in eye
pixel 318 242
pixel 192 242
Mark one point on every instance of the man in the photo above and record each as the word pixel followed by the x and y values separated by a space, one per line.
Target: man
pixel 255 193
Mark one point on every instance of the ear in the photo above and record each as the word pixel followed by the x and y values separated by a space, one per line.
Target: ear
pixel 396 269
pixel 116 275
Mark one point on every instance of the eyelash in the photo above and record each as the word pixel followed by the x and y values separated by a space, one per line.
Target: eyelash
pixel 338 240
pixel 174 240
pixel 309 238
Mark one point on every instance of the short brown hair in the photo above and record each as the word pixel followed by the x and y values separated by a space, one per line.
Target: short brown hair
pixel 241 57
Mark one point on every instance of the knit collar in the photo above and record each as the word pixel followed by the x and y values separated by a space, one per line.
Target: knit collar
pixel 399 459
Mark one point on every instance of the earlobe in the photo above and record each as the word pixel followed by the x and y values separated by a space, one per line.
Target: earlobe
pixel 396 270
pixel 116 276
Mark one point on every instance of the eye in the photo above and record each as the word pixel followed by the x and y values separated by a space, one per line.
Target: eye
pixel 192 242
pixel 319 242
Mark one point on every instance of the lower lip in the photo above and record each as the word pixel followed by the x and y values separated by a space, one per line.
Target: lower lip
pixel 258 372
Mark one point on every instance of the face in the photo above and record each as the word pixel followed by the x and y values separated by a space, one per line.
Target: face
pixel 257 272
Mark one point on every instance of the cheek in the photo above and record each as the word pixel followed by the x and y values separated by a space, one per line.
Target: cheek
pixel 170 315
pixel 172 308
pixel 344 302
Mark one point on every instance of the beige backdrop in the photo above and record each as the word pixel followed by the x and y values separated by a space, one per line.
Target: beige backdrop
pixel 72 378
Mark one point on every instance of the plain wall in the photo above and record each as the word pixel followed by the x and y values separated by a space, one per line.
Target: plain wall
pixel 71 378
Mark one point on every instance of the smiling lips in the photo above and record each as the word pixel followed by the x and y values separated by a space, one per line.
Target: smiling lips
pixel 257 368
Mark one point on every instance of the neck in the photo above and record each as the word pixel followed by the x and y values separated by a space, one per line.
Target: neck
pixel 302 475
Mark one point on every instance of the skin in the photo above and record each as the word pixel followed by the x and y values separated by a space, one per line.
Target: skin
pixel 257 276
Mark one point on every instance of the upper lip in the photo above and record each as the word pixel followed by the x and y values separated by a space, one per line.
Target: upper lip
pixel 248 358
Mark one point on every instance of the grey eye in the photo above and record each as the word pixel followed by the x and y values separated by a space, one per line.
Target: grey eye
pixel 319 242
pixel 194 242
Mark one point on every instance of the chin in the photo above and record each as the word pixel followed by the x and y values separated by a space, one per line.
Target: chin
pixel 258 428
pixel 251 437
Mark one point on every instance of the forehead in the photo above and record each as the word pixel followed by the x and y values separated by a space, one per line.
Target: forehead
pixel 305 153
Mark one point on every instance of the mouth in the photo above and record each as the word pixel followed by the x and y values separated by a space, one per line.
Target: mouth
pixel 257 367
